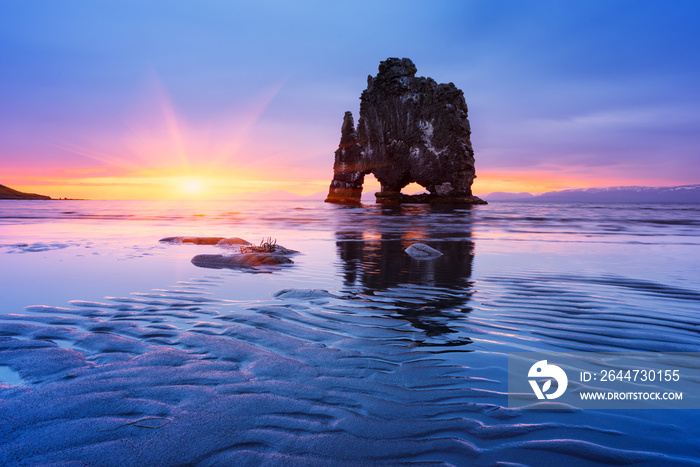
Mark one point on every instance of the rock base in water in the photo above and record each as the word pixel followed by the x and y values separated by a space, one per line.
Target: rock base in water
pixel 241 261
pixel 193 240
pixel 392 197
pixel 266 257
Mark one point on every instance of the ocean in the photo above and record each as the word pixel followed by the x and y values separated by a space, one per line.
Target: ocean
pixel 115 349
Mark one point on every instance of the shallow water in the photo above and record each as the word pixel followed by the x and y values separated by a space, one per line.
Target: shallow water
pixel 116 350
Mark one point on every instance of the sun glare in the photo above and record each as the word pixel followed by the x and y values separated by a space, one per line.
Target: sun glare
pixel 192 186
pixel 165 156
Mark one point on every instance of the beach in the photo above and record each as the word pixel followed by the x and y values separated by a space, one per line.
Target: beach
pixel 115 349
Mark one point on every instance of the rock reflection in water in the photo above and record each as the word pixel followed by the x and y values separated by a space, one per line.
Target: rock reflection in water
pixel 431 294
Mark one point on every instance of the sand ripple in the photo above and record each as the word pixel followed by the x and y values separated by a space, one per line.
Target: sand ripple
pixel 307 377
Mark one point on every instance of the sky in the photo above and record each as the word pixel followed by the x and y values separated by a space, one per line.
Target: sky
pixel 197 99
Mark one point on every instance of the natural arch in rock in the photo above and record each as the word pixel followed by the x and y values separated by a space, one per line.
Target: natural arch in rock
pixel 411 129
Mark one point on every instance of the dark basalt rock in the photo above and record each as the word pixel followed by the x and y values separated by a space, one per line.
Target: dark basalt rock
pixel 241 261
pixel 411 129
pixel 349 175
pixel 193 240
pixel 233 241
pixel 267 257
pixel 393 197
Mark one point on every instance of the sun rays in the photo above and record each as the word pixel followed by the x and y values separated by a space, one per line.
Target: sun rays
pixel 160 153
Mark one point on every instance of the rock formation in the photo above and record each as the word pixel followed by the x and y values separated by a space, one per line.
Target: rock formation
pixel 260 262
pixel 266 257
pixel 348 170
pixel 411 129
pixel 9 193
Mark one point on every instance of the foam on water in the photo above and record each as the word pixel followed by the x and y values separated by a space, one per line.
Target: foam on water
pixel 357 355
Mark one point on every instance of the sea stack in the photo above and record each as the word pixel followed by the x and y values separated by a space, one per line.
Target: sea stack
pixel 411 129
pixel 348 175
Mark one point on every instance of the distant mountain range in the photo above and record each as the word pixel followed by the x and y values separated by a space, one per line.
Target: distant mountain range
pixel 9 193
pixel 617 194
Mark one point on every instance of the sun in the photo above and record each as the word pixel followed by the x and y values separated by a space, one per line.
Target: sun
pixel 192 186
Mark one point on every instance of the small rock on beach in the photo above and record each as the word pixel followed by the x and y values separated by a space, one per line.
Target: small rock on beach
pixel 422 251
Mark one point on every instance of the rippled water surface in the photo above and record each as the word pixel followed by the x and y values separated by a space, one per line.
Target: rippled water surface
pixel 115 349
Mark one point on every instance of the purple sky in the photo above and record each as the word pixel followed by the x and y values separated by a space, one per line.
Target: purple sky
pixel 151 99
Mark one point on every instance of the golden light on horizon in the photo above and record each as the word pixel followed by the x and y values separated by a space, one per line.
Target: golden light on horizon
pixel 541 181
pixel 192 186
pixel 224 182
pixel 164 155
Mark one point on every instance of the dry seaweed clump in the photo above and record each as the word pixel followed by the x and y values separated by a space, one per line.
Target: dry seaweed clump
pixel 266 246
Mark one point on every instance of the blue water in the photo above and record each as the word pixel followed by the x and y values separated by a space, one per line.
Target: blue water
pixel 116 350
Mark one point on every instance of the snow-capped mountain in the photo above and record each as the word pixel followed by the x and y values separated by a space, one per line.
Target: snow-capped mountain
pixel 617 194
